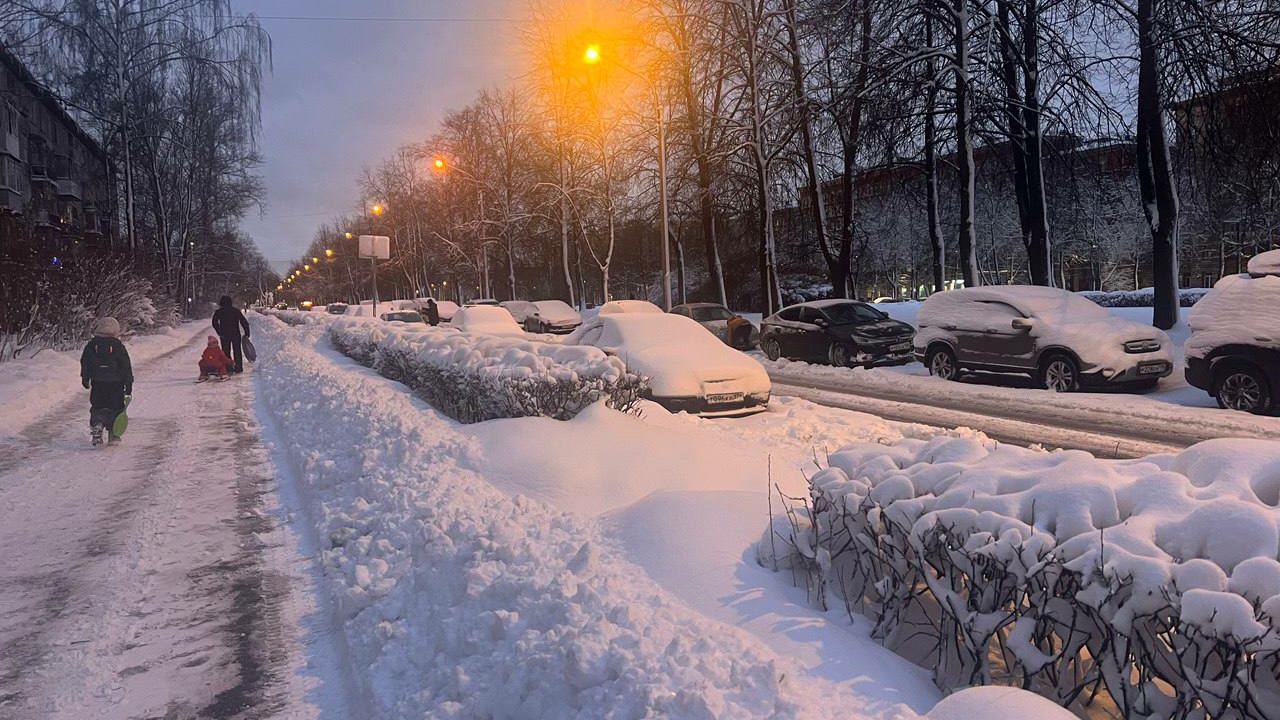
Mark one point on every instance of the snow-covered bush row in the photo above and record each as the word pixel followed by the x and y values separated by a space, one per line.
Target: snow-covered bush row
pixel 1143 297
pixel 473 378
pixel 298 317
pixel 456 601
pixel 1154 581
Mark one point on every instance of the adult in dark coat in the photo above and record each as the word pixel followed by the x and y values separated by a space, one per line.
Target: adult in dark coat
pixel 433 312
pixel 227 322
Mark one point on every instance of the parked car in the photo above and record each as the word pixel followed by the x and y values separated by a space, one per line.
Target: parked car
pixel 336 308
pixel 618 307
pixel 485 320
pixel 1233 351
pixel 844 333
pixel 687 369
pixel 408 316
pixel 552 316
pixel 1057 337
pixel 733 329
pixel 482 301
pixel 446 308
pixel 519 309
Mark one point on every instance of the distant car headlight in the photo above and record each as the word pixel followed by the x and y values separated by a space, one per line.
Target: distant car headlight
pixel 1135 347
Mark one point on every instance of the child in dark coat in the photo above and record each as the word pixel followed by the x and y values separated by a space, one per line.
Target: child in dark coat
pixel 105 370
pixel 214 361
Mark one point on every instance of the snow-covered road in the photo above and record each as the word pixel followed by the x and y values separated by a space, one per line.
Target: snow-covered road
pixel 147 579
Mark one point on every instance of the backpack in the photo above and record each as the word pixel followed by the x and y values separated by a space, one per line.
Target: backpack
pixel 102 361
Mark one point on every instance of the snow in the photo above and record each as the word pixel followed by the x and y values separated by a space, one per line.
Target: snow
pixel 35 385
pixel 1267 263
pixel 679 357
pixel 1240 309
pixel 485 320
pixel 557 312
pixel 1061 319
pixel 618 307
pixel 997 703
pixel 446 308
pixel 459 600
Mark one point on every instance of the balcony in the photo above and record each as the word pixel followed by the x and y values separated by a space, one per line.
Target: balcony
pixel 40 174
pixel 70 189
pixel 11 145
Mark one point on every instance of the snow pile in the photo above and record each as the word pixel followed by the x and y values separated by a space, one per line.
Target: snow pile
pixel 457 601
pixel 1157 577
pixel 299 317
pixel 1142 297
pixel 1240 309
pixel 478 377
pixel 1267 263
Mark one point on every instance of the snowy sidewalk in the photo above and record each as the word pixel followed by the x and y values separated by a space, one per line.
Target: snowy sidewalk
pixel 146 579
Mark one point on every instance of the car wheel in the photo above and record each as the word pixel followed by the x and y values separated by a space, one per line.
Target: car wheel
pixel 771 348
pixel 1242 387
pixel 838 355
pixel 1058 373
pixel 942 364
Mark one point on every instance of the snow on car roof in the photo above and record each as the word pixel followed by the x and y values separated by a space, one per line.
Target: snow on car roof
pixel 488 319
pixel 1043 302
pixel 615 307
pixel 1267 263
pixel 640 330
pixel 829 302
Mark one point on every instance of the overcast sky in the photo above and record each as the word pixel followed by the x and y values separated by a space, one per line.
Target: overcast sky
pixel 345 93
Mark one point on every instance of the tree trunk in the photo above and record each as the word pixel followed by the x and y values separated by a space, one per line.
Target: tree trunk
pixel 937 243
pixel 706 206
pixel 1155 172
pixel 964 147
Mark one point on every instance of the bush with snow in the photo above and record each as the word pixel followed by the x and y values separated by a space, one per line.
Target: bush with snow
pixel 1142 297
pixel 1155 581
pixel 473 378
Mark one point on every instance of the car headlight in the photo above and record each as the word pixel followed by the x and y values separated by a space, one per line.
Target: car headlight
pixel 1135 347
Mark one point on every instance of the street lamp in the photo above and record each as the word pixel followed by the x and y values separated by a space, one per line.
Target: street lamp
pixel 348 235
pixel 328 253
pixel 377 208
pixel 438 162
pixel 591 56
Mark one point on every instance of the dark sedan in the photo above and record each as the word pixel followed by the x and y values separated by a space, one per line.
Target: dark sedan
pixel 844 333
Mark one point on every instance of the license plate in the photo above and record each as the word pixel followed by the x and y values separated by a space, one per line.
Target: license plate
pixel 900 347
pixel 724 398
pixel 1151 369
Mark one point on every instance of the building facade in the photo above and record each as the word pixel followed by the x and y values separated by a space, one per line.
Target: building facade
pixel 57 185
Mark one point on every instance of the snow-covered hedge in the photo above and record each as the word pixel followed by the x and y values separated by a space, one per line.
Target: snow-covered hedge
pixel 298 317
pixel 1142 297
pixel 1152 582
pixel 473 378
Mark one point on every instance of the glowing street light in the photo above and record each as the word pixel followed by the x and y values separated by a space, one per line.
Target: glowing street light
pixel 315 260
pixel 438 163
pixel 348 236
pixel 377 208
pixel 591 55
pixel 328 253
pixel 306 268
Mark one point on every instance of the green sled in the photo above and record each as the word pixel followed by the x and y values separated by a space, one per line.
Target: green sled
pixel 121 422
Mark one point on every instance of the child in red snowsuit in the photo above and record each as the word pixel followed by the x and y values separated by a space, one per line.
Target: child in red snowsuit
pixel 214 360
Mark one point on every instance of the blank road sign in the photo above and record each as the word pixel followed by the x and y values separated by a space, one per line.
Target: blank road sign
pixel 377 247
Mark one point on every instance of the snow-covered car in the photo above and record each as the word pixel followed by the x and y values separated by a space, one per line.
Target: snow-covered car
pixel 446 308
pixel 1233 351
pixel 687 368
pixel 732 329
pixel 482 301
pixel 336 308
pixel 844 333
pixel 485 320
pixel 552 316
pixel 1057 337
pixel 406 316
pixel 519 309
pixel 619 307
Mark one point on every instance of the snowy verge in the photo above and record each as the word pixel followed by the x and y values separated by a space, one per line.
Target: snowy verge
pixel 1142 297
pixel 33 386
pixel 1157 578
pixel 458 601
pixel 475 377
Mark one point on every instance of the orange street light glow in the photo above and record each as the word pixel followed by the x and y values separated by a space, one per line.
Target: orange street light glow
pixel 377 208
pixel 348 235
pixel 438 163
pixel 591 55
pixel 328 253
pixel 306 267
pixel 315 260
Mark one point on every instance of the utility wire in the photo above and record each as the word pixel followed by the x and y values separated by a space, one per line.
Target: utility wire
pixel 336 18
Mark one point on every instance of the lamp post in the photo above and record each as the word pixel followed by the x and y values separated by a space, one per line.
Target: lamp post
pixel 592 55
pixel 438 163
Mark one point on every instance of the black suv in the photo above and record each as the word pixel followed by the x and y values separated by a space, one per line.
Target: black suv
pixel 844 333
pixel 1234 348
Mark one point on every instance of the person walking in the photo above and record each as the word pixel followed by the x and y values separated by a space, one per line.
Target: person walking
pixel 433 312
pixel 107 373
pixel 227 322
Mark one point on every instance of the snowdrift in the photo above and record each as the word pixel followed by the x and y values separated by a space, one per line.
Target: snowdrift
pixel 457 601
pixel 473 378
pixel 1155 580
pixel 1142 297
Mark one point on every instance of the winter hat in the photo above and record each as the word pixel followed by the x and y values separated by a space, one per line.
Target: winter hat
pixel 107 327
pixel 213 340
pixel 224 301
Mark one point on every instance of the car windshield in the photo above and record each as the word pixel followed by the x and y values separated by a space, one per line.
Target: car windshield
pixel 851 313
pixel 404 316
pixel 709 313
